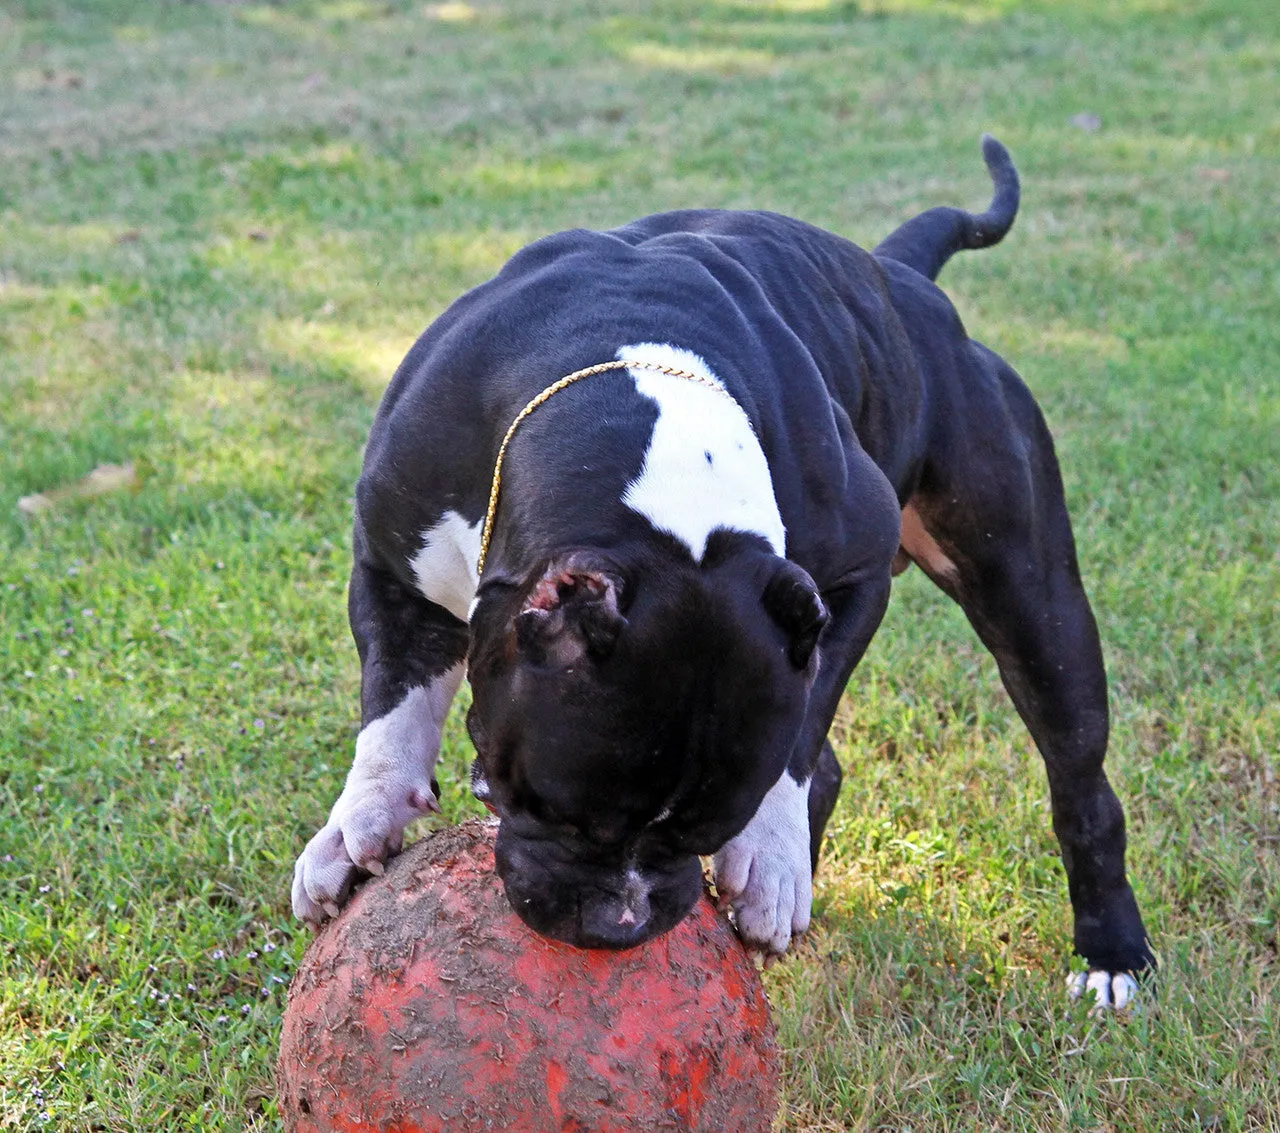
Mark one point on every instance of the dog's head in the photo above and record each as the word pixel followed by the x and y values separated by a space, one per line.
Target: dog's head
pixel 629 713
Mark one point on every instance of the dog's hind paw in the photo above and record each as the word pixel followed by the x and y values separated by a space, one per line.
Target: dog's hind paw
pixel 1112 991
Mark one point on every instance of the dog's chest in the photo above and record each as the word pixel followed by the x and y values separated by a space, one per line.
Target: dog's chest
pixel 703 470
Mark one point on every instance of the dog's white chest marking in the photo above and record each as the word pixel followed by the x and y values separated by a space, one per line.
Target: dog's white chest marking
pixel 445 566
pixel 704 469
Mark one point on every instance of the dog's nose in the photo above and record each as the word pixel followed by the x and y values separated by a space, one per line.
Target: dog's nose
pixel 617 920
pixel 614 927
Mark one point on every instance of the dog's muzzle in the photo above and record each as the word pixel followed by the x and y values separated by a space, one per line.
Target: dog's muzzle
pixel 592 905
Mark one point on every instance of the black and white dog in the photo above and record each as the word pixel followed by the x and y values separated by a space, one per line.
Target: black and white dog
pixel 689 555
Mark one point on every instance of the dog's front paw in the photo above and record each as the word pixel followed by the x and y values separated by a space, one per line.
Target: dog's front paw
pixel 764 873
pixel 365 828
pixel 1110 991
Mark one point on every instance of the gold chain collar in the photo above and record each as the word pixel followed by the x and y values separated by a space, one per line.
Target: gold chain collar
pixel 555 387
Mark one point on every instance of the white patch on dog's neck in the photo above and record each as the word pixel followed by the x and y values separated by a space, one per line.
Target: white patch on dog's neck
pixel 445 567
pixel 704 469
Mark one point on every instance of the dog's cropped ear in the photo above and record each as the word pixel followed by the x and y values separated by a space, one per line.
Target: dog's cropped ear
pixel 571 611
pixel 792 600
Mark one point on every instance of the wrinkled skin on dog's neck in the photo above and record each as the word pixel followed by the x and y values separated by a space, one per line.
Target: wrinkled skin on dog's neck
pixel 630 711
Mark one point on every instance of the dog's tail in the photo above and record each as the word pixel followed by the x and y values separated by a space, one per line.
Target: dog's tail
pixel 926 242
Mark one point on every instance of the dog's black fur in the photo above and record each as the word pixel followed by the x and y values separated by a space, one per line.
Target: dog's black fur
pixel 634 701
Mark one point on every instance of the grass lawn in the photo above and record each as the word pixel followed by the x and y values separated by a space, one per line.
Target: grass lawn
pixel 222 224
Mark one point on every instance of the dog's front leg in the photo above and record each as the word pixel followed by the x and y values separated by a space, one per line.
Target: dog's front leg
pixel 766 873
pixel 411 653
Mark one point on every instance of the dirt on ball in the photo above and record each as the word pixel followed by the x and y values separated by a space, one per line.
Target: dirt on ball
pixel 428 1005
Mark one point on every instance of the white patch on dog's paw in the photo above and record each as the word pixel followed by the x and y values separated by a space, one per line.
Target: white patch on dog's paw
pixel 764 873
pixel 388 786
pixel 1117 992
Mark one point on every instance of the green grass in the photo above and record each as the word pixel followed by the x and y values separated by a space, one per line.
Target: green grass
pixel 222 224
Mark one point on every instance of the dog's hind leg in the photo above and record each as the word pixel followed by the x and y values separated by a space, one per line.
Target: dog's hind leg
pixel 989 525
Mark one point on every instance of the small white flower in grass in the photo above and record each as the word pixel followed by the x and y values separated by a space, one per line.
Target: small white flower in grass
pixel 191 988
pixel 218 954
pixel 221 1019
pixel 246 1009
pixel 266 993
pixel 253 954
pixel 268 947
pixel 45 888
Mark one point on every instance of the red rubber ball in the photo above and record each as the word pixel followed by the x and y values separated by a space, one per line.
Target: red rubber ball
pixel 428 1005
